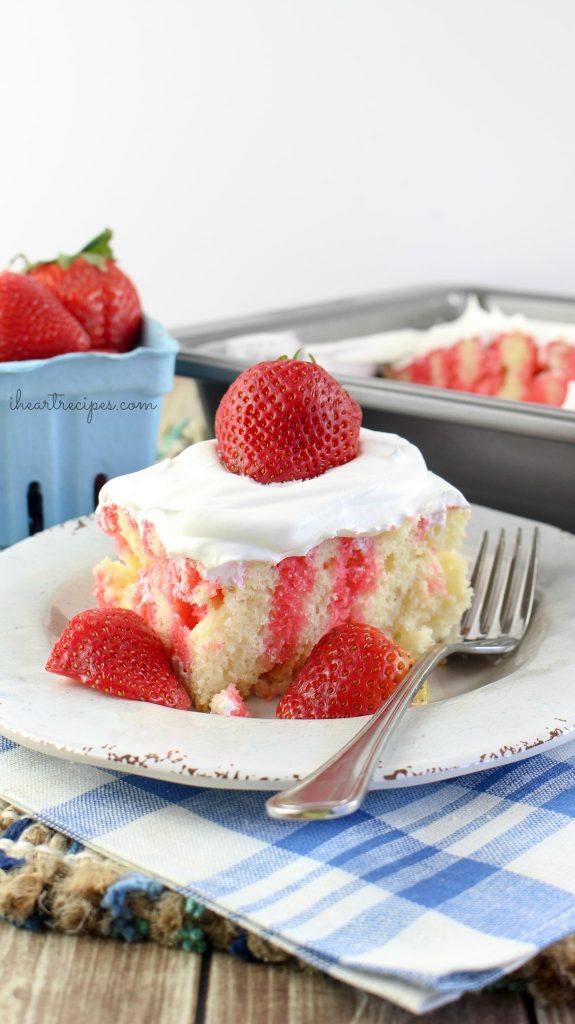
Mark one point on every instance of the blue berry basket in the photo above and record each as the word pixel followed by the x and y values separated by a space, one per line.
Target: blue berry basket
pixel 69 423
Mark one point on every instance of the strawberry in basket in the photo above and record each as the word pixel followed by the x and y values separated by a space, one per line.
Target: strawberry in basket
pixel 33 323
pixel 96 292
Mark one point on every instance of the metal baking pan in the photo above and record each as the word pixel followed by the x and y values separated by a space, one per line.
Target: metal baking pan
pixel 513 456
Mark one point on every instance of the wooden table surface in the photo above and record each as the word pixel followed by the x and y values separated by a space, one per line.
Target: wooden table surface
pixel 55 979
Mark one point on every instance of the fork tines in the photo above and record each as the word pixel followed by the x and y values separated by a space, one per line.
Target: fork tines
pixel 503 587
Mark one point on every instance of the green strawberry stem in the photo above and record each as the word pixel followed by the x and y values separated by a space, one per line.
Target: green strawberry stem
pixel 298 355
pixel 97 252
pixel 99 246
pixel 25 261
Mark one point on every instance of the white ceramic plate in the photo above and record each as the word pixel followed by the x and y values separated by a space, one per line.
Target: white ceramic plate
pixel 481 713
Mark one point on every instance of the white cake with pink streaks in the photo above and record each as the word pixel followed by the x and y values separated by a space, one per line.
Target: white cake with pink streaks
pixel 241 579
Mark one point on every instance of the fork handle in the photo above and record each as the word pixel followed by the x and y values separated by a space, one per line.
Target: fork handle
pixel 338 786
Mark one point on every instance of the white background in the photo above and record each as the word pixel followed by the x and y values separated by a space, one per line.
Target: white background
pixel 253 154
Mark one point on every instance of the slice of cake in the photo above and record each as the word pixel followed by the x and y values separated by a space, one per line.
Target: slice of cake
pixel 241 578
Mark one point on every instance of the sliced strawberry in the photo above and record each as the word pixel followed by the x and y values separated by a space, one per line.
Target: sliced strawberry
pixel 115 651
pixel 96 292
pixel 286 419
pixel 350 672
pixel 33 323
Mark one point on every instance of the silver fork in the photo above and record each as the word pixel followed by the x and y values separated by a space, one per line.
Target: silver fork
pixel 494 624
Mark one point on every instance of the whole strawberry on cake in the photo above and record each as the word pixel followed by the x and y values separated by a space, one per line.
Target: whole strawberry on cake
pixel 244 551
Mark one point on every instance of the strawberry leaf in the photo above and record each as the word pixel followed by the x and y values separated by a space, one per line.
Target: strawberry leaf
pixel 25 261
pixel 99 246
pixel 96 260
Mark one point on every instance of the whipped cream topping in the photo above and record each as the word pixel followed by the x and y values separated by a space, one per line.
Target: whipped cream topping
pixel 203 511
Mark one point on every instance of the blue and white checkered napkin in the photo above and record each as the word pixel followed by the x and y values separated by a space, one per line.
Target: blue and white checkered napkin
pixel 427 892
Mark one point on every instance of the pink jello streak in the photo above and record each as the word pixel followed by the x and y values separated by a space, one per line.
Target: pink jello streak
pixel 296 577
pixel 356 572
pixel 176 580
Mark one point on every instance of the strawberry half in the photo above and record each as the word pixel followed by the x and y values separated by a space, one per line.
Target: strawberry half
pixel 116 651
pixel 33 324
pixel 350 672
pixel 286 420
pixel 96 292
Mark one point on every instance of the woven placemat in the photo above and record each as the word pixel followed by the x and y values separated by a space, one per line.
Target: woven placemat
pixel 49 882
